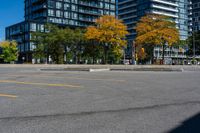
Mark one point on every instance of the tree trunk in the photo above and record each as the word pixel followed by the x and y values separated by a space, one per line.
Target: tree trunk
pixel 105 55
pixel 93 54
pixel 75 57
pixel 163 54
pixel 47 58
pixel 152 55
pixel 152 58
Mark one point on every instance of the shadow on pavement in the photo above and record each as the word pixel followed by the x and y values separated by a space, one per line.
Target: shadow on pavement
pixel 191 125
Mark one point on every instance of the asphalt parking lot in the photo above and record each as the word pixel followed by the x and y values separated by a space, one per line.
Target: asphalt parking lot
pixel 34 101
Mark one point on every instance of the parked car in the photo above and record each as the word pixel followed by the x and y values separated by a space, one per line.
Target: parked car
pixel 126 62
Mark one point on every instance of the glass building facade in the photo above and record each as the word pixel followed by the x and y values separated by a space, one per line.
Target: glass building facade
pixel 195 8
pixel 68 12
pixel 130 11
pixel 71 13
pixel 21 33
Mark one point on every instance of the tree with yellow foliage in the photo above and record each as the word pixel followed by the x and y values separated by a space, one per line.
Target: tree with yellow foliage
pixel 9 51
pixel 155 30
pixel 110 33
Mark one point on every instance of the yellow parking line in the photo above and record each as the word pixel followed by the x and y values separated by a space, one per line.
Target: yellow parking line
pixel 92 79
pixel 7 95
pixel 43 84
pixel 95 79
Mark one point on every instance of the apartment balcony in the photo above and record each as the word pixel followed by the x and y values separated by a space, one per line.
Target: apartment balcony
pixel 127 12
pixel 166 2
pixel 39 8
pixel 125 1
pixel 39 17
pixel 89 4
pixel 35 2
pixel 87 19
pixel 133 5
pixel 17 32
pixel 164 8
pixel 90 12
pixel 164 13
pixel 19 40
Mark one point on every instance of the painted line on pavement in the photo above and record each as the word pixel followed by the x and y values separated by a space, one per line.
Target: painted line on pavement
pixel 42 84
pixel 92 79
pixel 8 95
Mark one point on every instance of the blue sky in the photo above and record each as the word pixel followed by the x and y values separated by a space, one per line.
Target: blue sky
pixel 11 12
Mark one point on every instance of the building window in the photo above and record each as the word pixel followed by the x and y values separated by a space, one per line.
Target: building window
pixel 66 14
pixel 66 6
pixel 51 4
pixel 107 6
pixel 74 15
pixel 74 8
pixel 33 27
pixel 112 7
pixel 58 5
pixel 74 1
pixel 51 12
pixel 58 13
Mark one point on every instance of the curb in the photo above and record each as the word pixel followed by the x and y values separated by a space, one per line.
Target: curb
pixel 98 70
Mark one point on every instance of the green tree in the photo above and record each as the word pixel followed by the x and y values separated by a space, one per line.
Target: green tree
pixel 155 30
pixel 50 43
pixel 110 33
pixel 93 51
pixel 59 43
pixel 77 43
pixel 40 45
pixel 58 40
pixel 10 51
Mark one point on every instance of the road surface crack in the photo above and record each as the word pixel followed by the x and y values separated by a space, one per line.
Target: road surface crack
pixel 101 111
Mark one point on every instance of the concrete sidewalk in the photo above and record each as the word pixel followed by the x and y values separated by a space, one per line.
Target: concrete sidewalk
pixel 111 67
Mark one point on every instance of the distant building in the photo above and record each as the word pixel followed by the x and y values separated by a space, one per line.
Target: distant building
pixel 72 13
pixel 130 11
pixel 195 14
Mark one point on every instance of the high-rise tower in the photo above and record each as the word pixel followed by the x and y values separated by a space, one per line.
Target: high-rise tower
pixel 130 11
pixel 72 13
pixel 195 8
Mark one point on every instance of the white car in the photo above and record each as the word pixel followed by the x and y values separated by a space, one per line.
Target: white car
pixel 126 62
